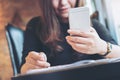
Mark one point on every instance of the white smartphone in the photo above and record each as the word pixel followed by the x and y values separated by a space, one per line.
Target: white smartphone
pixel 79 18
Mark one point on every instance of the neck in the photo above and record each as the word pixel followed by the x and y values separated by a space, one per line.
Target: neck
pixel 65 20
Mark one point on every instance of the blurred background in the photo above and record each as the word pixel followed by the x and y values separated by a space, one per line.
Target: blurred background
pixel 19 12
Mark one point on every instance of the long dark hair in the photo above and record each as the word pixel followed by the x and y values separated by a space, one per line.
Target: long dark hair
pixel 49 29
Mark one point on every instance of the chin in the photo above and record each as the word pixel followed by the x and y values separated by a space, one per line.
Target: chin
pixel 64 15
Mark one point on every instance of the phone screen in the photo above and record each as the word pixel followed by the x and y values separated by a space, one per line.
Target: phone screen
pixel 79 18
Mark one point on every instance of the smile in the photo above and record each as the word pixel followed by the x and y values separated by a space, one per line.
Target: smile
pixel 63 10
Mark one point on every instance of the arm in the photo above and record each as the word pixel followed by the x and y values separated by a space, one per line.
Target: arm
pixel 31 58
pixel 115 52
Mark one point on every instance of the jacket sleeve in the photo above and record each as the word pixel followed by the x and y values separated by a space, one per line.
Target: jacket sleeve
pixel 31 41
pixel 103 32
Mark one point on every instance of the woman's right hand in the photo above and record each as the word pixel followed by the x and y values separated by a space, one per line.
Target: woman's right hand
pixel 35 60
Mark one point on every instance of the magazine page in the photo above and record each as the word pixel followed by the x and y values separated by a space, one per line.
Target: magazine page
pixel 79 64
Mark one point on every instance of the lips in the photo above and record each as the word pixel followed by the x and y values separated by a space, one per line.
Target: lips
pixel 63 10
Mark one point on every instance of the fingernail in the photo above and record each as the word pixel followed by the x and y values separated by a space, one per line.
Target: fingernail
pixel 66 37
pixel 68 30
pixel 44 56
pixel 48 64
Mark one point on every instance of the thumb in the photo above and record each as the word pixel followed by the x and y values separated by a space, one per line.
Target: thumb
pixel 43 56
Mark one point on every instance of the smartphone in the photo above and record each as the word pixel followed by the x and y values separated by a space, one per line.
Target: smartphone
pixel 79 19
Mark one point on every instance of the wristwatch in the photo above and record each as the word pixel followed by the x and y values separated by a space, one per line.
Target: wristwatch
pixel 109 49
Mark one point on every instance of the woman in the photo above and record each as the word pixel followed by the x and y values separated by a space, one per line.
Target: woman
pixel 47 41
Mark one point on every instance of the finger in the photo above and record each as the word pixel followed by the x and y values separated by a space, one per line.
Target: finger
pixel 27 66
pixel 35 55
pixel 37 62
pixel 43 64
pixel 70 42
pixel 78 47
pixel 31 66
pixel 76 39
pixel 32 61
pixel 73 44
pixel 81 34
pixel 44 57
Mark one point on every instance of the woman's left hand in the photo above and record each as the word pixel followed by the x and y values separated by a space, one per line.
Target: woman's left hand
pixel 86 42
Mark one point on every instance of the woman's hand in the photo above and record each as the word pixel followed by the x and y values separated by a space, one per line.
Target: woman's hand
pixel 35 60
pixel 86 42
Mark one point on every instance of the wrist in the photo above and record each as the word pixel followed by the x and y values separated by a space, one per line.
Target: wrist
pixel 103 48
pixel 107 49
